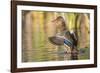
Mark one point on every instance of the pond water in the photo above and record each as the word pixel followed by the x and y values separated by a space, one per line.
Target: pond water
pixel 52 55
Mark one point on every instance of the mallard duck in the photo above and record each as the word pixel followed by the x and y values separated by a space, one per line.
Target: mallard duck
pixel 63 37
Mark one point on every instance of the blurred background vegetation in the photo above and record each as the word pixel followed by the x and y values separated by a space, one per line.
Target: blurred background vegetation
pixel 37 26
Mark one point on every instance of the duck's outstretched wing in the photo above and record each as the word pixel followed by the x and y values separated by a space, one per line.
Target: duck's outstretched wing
pixel 74 38
pixel 56 40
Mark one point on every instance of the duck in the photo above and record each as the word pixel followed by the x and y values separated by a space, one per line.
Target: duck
pixel 64 36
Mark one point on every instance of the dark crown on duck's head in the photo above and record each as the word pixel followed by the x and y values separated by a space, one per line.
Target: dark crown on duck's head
pixel 62 23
